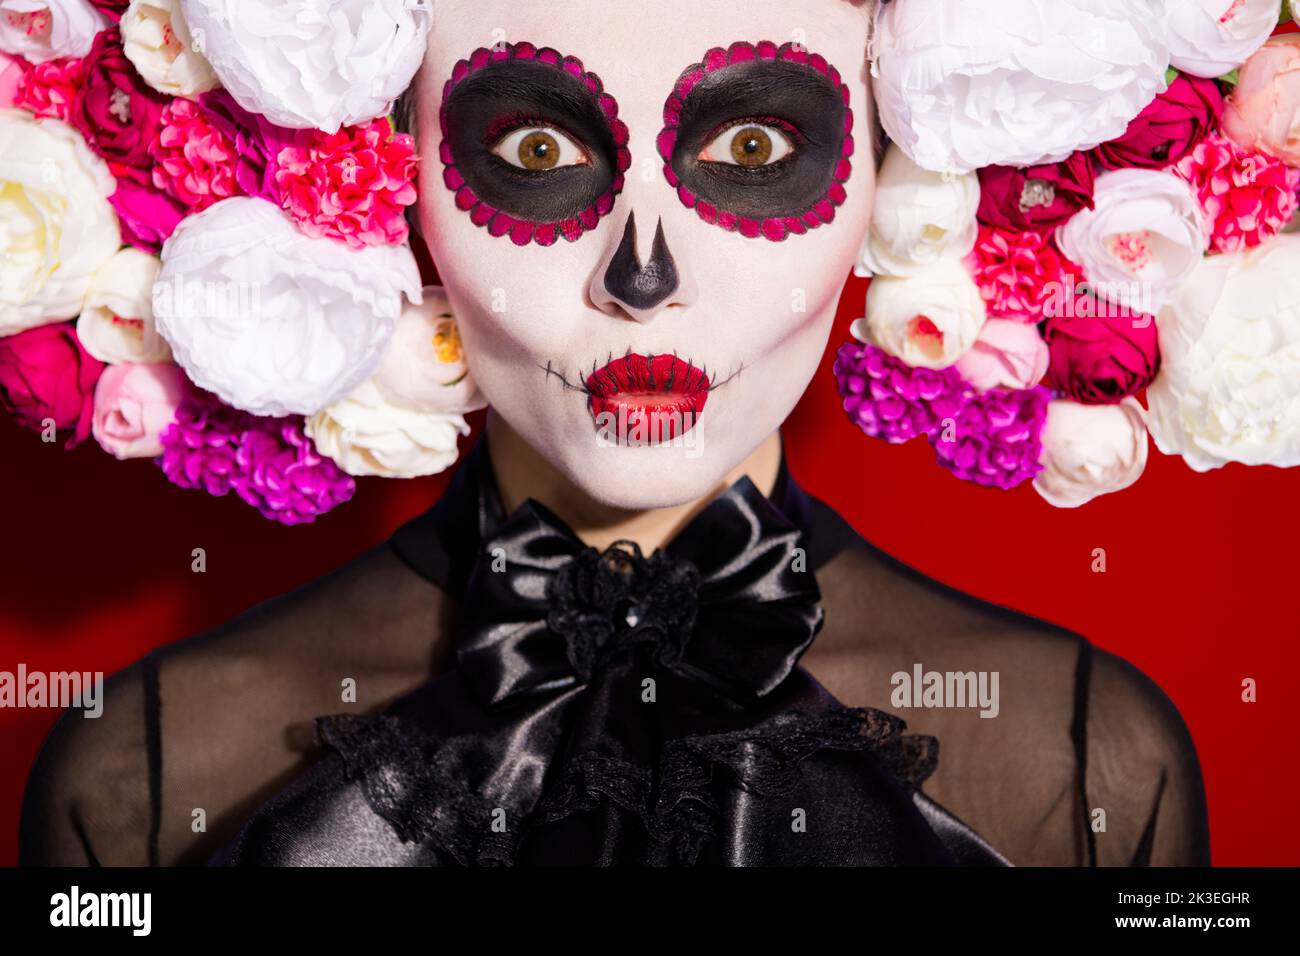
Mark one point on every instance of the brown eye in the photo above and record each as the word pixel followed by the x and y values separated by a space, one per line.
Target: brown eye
pixel 539 148
pixel 747 144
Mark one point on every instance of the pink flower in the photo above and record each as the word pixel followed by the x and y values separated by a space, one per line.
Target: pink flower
pixel 1007 354
pixel 195 159
pixel 1171 124
pixel 1035 197
pixel 147 215
pixel 257 141
pixel 1264 107
pixel 46 373
pixel 351 185
pixel 1101 352
pixel 1018 273
pixel 117 112
pixel 1245 196
pixel 49 88
pixel 133 405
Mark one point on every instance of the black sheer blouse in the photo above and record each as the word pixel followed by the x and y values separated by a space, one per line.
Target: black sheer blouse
pixel 482 688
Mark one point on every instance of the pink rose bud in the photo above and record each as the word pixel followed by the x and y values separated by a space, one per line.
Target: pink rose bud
pixel 46 373
pixel 1007 354
pixel 134 403
pixel 1262 111
pixel 1101 352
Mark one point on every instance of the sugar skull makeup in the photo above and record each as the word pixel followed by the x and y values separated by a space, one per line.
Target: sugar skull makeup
pixel 532 144
pixel 757 139
pixel 655 317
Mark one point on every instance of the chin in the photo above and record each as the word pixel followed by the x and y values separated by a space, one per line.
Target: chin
pixel 652 476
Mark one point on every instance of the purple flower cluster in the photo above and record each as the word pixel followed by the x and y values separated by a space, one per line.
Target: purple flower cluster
pixel 269 462
pixel 996 437
pixel 890 399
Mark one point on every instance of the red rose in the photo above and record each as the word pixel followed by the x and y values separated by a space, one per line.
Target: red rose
pixel 1100 352
pixel 1168 128
pixel 1035 197
pixel 117 112
pixel 45 372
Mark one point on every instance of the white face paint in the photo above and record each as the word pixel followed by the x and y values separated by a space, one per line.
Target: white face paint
pixel 755 312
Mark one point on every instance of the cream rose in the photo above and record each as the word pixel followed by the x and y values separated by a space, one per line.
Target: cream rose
pixel 271 320
pixel 1143 236
pixel 367 435
pixel 40 30
pixel 58 225
pixel 918 216
pixel 304 64
pixel 1213 37
pixel 1229 382
pixel 424 366
pixel 927 319
pixel 117 324
pixel 157 41
pixel 1090 450
pixel 962 85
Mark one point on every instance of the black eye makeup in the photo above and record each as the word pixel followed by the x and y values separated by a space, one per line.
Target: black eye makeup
pixel 532 144
pixel 757 139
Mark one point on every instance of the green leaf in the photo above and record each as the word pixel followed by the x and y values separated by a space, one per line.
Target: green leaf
pixel 1171 74
pixel 1229 78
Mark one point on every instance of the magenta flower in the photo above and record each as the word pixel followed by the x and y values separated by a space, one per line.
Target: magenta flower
pixel 48 89
pixel 1018 272
pixel 1246 196
pixel 269 462
pixel 195 159
pixel 352 185
pixel 889 399
pixel 996 437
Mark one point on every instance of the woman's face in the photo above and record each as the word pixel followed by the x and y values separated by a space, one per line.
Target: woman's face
pixel 643 242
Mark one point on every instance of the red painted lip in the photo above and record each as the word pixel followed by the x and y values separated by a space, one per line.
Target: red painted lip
pixel 647 399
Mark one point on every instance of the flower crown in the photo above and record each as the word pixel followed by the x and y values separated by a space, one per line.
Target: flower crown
pixel 205 253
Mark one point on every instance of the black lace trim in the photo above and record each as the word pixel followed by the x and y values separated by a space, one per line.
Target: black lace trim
pixel 410 781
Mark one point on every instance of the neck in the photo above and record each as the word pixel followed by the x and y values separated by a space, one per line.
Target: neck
pixel 522 473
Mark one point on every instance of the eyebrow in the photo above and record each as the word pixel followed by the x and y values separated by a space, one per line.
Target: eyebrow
pixel 726 90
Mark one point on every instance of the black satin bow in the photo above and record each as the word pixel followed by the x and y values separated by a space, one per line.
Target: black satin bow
pixel 543 611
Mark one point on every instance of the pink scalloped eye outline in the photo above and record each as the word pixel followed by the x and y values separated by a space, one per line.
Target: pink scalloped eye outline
pixel 498 223
pixel 774 228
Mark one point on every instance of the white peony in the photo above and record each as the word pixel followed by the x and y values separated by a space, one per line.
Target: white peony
pixel 116 325
pixel 157 41
pixel 424 366
pixel 367 435
pixel 271 320
pixel 1229 382
pixel 918 217
pixel 309 64
pixel 1143 236
pixel 41 30
pixel 928 319
pixel 962 85
pixel 1090 450
pixel 56 225
pixel 1213 37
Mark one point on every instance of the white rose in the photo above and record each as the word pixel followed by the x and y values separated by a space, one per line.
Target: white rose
pixel 1017 82
pixel 116 326
pixel 58 227
pixel 1213 37
pixel 308 64
pixel 1143 236
pixel 271 320
pixel 1090 450
pixel 1229 382
pixel 367 435
pixel 424 366
pixel 927 319
pixel 918 216
pixel 157 41
pixel 41 30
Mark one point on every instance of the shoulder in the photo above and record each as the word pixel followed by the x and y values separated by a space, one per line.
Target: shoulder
pixel 231 714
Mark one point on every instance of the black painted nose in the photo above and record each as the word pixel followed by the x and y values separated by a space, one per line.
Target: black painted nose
pixel 641 286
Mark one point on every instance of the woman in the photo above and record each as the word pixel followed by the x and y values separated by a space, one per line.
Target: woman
pixel 625 635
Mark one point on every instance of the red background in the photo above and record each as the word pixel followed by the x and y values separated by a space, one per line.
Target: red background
pixel 1199 588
